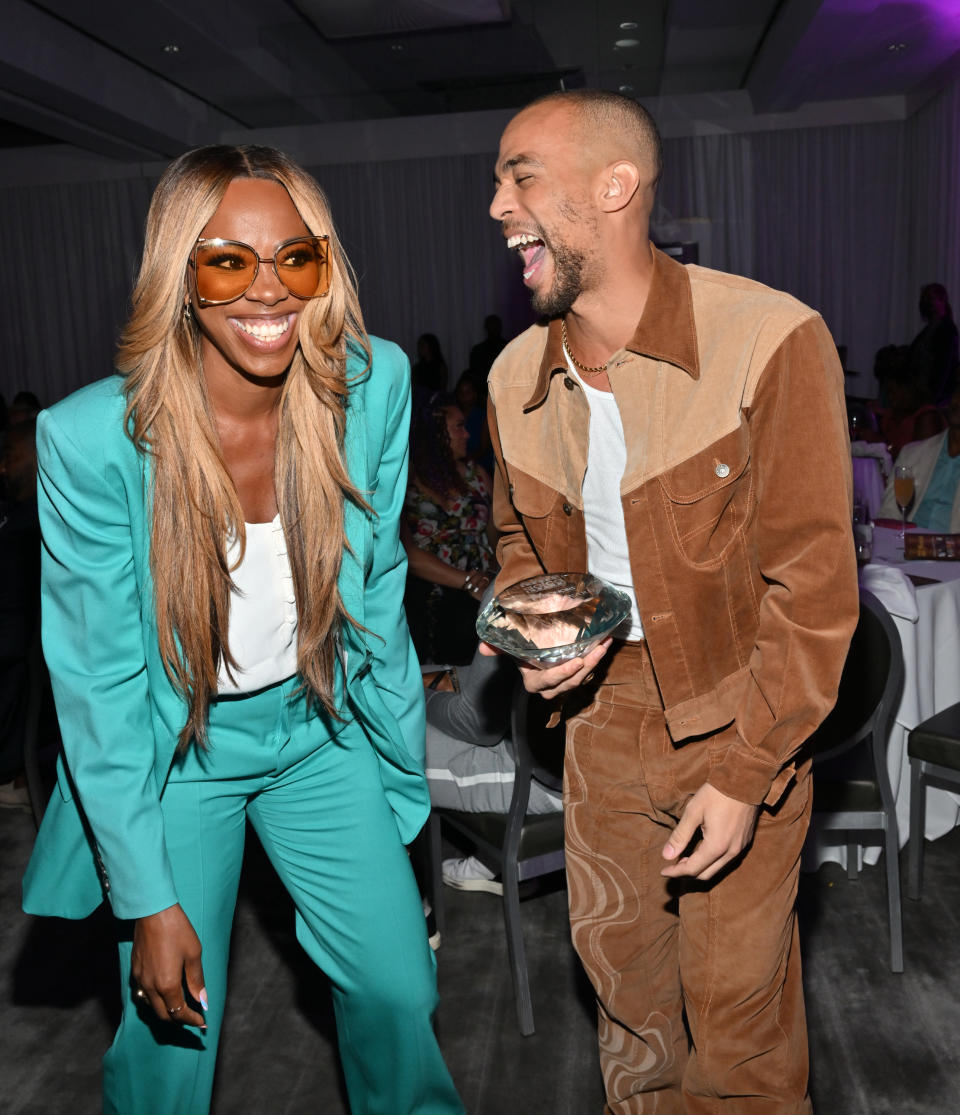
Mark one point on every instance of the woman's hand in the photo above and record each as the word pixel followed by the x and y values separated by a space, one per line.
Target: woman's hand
pixel 166 955
pixel 475 584
pixel 428 567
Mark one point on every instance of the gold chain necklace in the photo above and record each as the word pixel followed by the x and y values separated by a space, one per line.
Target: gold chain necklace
pixel 583 367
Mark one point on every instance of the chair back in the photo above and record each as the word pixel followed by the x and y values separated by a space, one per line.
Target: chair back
pixel 869 692
pixel 538 754
pixel 851 783
pixel 538 748
pixel 519 846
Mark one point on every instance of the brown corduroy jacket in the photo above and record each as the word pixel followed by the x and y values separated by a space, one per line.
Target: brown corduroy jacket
pixel 736 498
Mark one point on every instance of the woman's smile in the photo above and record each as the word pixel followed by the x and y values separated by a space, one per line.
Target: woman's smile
pixel 265 333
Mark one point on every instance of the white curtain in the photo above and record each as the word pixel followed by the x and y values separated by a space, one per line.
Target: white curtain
pixel 851 219
pixel 832 226
pixel 711 177
pixel 428 257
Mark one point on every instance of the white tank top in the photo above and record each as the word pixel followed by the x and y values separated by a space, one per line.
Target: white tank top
pixel 263 612
pixel 608 555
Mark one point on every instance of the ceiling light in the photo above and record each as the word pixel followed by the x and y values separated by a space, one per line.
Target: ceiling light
pixel 629 25
pixel 623 44
pixel 397 47
pixel 625 88
pixel 171 48
pixel 895 48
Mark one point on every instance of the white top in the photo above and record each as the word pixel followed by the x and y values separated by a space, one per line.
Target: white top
pixel 608 555
pixel 263 612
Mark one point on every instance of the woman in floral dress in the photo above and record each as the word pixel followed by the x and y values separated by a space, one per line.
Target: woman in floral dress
pixel 444 531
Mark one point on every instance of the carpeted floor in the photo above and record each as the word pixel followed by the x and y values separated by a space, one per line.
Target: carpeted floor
pixel 880 1044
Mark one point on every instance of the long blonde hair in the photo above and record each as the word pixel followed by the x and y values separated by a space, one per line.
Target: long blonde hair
pixel 195 508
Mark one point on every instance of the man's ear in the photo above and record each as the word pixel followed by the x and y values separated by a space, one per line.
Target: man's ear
pixel 619 184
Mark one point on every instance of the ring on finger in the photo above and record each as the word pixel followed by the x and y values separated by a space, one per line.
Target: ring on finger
pixel 175 1010
pixel 140 993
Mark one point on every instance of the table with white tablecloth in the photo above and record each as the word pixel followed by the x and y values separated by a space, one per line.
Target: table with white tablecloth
pixel 927 617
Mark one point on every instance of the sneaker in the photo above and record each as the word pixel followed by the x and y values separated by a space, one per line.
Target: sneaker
pixel 433 934
pixel 470 874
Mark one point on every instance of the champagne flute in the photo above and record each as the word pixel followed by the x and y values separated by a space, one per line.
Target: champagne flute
pixel 903 491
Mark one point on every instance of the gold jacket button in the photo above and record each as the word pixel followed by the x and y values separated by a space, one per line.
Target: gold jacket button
pixel 722 470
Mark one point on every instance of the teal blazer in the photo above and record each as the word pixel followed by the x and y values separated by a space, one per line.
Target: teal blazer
pixel 119 715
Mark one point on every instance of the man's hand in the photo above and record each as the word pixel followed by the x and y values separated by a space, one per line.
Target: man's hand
pixel 554 680
pixel 727 828
pixel 166 954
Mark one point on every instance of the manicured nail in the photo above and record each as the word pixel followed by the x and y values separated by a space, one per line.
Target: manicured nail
pixel 203 999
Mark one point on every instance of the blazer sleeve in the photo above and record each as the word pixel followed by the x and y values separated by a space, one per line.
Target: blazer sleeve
pixel 394 667
pixel 93 644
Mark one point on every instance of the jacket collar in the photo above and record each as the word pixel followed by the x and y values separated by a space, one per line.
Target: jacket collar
pixel 665 330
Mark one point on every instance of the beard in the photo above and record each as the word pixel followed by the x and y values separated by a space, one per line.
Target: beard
pixel 567 286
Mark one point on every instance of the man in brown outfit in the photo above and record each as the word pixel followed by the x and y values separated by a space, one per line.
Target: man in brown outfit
pixel 682 433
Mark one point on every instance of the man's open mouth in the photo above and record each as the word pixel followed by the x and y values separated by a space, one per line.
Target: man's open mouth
pixel 530 248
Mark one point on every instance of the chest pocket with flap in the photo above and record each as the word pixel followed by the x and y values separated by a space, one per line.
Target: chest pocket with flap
pixel 709 497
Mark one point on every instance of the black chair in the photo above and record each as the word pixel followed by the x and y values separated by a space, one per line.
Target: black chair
pixel 934 750
pixel 516 845
pixel 851 784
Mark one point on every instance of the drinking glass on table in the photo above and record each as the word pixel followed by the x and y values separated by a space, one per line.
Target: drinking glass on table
pixel 903 492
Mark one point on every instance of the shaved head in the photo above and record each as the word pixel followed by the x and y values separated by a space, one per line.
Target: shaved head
pixel 574 185
pixel 610 126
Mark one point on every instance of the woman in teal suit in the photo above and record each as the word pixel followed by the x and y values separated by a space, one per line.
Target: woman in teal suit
pixel 222 620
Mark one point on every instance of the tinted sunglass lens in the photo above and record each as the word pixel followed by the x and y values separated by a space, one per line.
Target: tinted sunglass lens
pixel 302 267
pixel 224 271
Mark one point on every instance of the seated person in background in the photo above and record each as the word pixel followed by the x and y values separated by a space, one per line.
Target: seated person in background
pixel 908 416
pixel 469 765
pixel 936 470
pixel 471 397
pixel 444 531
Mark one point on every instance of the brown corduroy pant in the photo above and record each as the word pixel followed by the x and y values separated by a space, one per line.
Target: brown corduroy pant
pixel 700 1001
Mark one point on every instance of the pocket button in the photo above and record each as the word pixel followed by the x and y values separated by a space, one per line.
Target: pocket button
pixel 567 509
pixel 722 470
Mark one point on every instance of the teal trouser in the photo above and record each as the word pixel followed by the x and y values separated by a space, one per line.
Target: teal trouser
pixel 312 791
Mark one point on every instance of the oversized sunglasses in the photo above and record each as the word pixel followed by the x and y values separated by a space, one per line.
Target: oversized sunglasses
pixel 227 269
